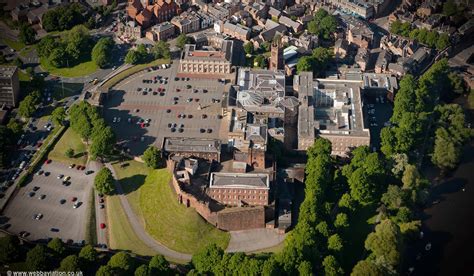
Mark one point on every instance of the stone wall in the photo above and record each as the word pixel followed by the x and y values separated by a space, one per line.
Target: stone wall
pixel 229 219
pixel 241 218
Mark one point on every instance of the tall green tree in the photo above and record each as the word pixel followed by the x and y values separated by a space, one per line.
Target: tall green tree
pixel 70 264
pixel 88 254
pixel 58 116
pixel 206 259
pixel 27 106
pixel 9 249
pixel 101 53
pixel 159 265
pixel 57 246
pixel 122 262
pixel 161 50
pixel 385 243
pixel 37 259
pixel 248 48
pixel 152 157
pixel 104 181
pixel 27 34
pixel 367 268
pixel 182 40
pixel 331 266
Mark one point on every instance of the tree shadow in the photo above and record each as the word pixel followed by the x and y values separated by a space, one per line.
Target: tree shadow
pixel 80 154
pixel 131 184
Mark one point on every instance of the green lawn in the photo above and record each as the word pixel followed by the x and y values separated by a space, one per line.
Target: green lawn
pixel 72 140
pixel 26 51
pixel 121 234
pixel 22 76
pixel 80 70
pixel 172 224
pixel 132 70
pixel 16 45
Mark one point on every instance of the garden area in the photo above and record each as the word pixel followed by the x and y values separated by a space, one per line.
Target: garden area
pixel 70 140
pixel 170 223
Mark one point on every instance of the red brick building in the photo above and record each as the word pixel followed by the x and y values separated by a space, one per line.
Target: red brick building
pixel 152 13
pixel 238 189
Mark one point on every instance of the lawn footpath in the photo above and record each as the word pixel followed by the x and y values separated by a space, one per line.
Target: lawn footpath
pixel 170 223
pixel 82 69
pixel 72 140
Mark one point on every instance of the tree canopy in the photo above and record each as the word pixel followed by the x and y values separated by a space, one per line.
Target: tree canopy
pixel 63 17
pixel 323 24
pixel 152 157
pixel 57 246
pixel 27 34
pixel 70 264
pixel 102 52
pixel 9 249
pixel 36 258
pixel 122 261
pixel 104 181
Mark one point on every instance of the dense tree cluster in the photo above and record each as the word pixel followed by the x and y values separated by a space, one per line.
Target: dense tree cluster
pixel 102 52
pixel 451 134
pixel 417 113
pixel 64 17
pixel 430 38
pixel 315 63
pixel 86 121
pixel 28 105
pixel 161 50
pixel 365 175
pixel 27 34
pixel 138 55
pixel 323 24
pixel 73 47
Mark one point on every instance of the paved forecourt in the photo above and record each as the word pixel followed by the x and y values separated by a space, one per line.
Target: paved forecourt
pixel 175 108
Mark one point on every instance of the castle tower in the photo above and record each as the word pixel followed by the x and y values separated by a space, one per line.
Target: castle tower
pixel 276 58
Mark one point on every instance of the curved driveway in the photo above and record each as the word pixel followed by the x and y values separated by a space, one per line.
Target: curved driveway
pixel 138 227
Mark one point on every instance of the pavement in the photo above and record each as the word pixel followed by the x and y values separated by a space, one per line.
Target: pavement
pixel 69 222
pixel 253 240
pixel 138 227
pixel 100 214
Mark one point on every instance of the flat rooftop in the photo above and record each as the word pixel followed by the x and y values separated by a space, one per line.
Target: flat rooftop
pixel 240 180
pixel 7 71
pixel 192 145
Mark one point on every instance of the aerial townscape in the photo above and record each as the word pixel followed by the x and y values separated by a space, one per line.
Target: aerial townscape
pixel 236 137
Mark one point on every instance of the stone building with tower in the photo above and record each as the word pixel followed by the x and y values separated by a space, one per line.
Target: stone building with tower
pixel 276 56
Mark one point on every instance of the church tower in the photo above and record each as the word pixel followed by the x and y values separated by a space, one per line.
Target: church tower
pixel 276 58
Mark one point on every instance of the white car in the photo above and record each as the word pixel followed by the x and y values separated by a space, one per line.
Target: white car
pixel 114 120
pixel 118 119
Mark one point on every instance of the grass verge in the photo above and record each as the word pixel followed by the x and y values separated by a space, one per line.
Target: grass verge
pixel 132 70
pixel 22 76
pixel 70 139
pixel 91 225
pixel 15 45
pixel 121 234
pixel 170 223
pixel 80 70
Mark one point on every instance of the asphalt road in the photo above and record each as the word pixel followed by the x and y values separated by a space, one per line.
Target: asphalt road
pixel 69 222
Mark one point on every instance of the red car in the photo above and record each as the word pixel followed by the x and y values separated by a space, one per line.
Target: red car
pixel 78 167
pixel 102 226
pixel 73 199
pixel 47 161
